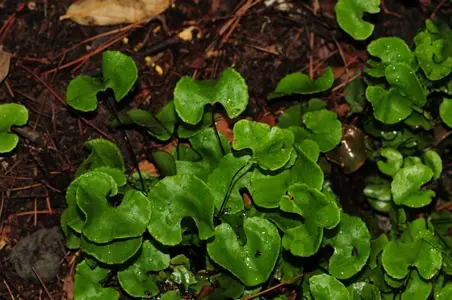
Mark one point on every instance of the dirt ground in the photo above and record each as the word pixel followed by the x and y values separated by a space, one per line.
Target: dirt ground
pixel 263 43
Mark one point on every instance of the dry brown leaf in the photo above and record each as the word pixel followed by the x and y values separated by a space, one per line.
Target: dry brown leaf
pixel 112 12
pixel 5 61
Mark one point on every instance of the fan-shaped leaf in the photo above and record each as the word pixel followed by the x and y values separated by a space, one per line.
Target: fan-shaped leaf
pixel 190 96
pixel 391 51
pixel 113 253
pixel 417 288
pixel 306 170
pixel 351 247
pixel 267 189
pixel 303 240
pixel 12 114
pixel 87 283
pixel 300 83
pixel 177 197
pixel 403 77
pixel 393 163
pixel 82 91
pixel 135 279
pixel 349 14
pixel 326 287
pixel 292 116
pixel 253 262
pixel 272 147
pixel 389 107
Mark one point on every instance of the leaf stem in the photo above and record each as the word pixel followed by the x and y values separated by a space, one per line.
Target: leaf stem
pixel 216 132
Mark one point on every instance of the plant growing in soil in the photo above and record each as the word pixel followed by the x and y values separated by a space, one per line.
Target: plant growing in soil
pixel 11 114
pixel 227 218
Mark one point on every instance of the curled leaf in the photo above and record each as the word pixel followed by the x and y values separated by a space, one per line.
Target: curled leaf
pixel 253 262
pixel 190 96
pixel 300 83
pixel 11 115
pixel 349 14
pixel 177 197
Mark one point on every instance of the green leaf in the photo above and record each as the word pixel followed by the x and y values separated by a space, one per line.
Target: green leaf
pixel 230 168
pixel 190 96
pixel 351 247
pixel 392 51
pixel 11 115
pixel 445 111
pixel 377 246
pixel 446 292
pixel 303 240
pixel 403 77
pixel 300 83
pixel 226 287
pixel 72 237
pixel 349 15
pixel 165 163
pixel 105 223
pixel 326 287
pixel 405 187
pixel 185 131
pixel 393 163
pixel 355 95
pixel 177 197
pixel 103 154
pixel 82 91
pixel 135 279
pixel 87 283
pixel 267 188
pixel 434 162
pixel 389 107
pixel 414 249
pixel 113 253
pixel 292 116
pixel 321 126
pixel 182 275
pixel 314 206
pixel 417 288
pixel 253 262
pixel 306 170
pixel 119 73
pixel 171 295
pixel 364 290
pixel 272 147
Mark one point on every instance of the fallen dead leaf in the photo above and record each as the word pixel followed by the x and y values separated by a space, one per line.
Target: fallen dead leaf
pixel 5 61
pixel 148 168
pixel 113 12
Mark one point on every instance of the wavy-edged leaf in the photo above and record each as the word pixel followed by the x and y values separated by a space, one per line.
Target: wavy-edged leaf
pixel 351 247
pixel 253 262
pixel 267 188
pixel 445 111
pixel 72 237
pixel 190 96
pixel 389 106
pixel 326 287
pixel 393 163
pixel 292 116
pixel 87 283
pixel 177 197
pixel 230 168
pixel 417 288
pixel 349 14
pixel 321 126
pixel 391 51
pixel 377 246
pixel 403 77
pixel 303 240
pixel 306 170
pixel 113 253
pixel 405 187
pixel 135 279
pixel 12 114
pixel 272 147
pixel 104 223
pixel 82 91
pixel 119 73
pixel 300 83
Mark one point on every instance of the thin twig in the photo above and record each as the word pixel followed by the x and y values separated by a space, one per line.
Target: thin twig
pixel 274 287
pixel 42 283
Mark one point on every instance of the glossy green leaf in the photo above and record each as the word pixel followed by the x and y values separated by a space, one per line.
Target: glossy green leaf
pixel 392 51
pixel 267 189
pixel 103 154
pixel 226 287
pixel 393 163
pixel 178 197
pixel 119 73
pixel 414 250
pixel 135 279
pixel 186 131
pixel 364 291
pixel 321 126
pixel 105 223
pixel 190 96
pixel 306 170
pixel 171 295
pixel 72 237
pixel 303 240
pixel 230 170
pixel 389 107
pixel 351 247
pixel 326 287
pixel 113 253
pixel 446 292
pixel 82 91
pixel 445 111
pixel 253 262
pixel 12 114
pixel 377 246
pixel 349 14
pixel 165 163
pixel 182 275
pixel 434 162
pixel 300 83
pixel 87 283
pixel 314 206
pixel 271 147
pixel 355 95
pixel 417 288
pixel 403 77
pixel 405 187
pixel 292 116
